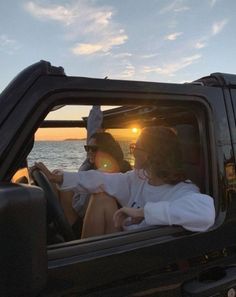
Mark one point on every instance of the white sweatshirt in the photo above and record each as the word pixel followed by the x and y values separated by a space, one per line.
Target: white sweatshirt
pixel 180 204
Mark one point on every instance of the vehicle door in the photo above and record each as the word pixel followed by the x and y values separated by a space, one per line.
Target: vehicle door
pixel 135 261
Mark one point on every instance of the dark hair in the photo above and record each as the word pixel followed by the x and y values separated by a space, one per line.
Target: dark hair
pixel 107 144
pixel 164 154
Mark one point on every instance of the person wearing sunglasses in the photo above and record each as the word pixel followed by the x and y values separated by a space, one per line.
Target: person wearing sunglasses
pixel 103 153
pixel 156 192
pixel 73 203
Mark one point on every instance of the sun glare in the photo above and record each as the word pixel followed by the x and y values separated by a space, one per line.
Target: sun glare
pixel 134 130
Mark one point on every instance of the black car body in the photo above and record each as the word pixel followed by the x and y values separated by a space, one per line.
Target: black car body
pixel 154 261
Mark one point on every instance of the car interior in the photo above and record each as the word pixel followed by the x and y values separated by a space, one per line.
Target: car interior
pixel 125 124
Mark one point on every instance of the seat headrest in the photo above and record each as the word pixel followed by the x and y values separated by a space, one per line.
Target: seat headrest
pixel 189 142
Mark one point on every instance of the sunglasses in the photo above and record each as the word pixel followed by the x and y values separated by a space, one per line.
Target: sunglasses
pixel 91 148
pixel 133 147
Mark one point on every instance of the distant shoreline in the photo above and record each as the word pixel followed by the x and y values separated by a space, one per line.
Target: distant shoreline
pixel 62 140
pixel 73 139
pixel 130 139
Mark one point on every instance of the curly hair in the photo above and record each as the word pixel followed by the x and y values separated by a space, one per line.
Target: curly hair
pixel 164 156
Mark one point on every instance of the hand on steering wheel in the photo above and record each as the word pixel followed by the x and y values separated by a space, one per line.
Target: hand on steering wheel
pixel 55 177
pixel 53 206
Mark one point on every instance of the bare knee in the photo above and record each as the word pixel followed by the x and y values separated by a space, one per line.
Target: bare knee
pixel 99 215
pixel 103 200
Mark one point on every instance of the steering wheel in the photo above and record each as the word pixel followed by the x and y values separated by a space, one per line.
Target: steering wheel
pixel 54 209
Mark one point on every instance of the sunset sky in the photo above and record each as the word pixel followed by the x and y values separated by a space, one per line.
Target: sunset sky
pixel 150 40
pixel 60 134
pixel 80 133
pixel 76 113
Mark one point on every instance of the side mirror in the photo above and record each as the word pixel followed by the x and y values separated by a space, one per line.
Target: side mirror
pixel 23 243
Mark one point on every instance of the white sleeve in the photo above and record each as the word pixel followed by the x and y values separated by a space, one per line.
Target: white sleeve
pixel 94 181
pixel 94 121
pixel 194 212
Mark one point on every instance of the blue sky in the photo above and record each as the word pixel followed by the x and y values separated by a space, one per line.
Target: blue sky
pixel 155 40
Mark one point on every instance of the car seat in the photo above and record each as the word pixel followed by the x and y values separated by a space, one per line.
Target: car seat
pixel 189 140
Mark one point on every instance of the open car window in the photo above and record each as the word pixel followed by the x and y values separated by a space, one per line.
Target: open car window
pixel 59 142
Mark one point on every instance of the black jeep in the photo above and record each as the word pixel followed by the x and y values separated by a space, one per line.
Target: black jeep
pixel 153 261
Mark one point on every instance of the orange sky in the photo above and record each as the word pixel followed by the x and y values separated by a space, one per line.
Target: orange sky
pixel 60 133
pixel 80 133
pixel 77 113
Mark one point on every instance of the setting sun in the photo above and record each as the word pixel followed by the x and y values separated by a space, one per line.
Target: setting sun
pixel 134 130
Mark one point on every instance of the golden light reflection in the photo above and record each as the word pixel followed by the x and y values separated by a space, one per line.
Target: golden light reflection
pixel 135 130
pixel 105 162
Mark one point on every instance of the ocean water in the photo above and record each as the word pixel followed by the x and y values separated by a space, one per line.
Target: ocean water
pixel 65 155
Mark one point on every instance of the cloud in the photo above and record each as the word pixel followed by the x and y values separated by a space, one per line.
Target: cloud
pixel 82 15
pixel 180 9
pixel 175 6
pixel 171 68
pixel 122 70
pixel 212 3
pixel 83 20
pixel 129 72
pixel 149 56
pixel 8 45
pixel 122 55
pixel 86 49
pixel 200 44
pixel 104 46
pixel 54 12
pixel 173 36
pixel 217 27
